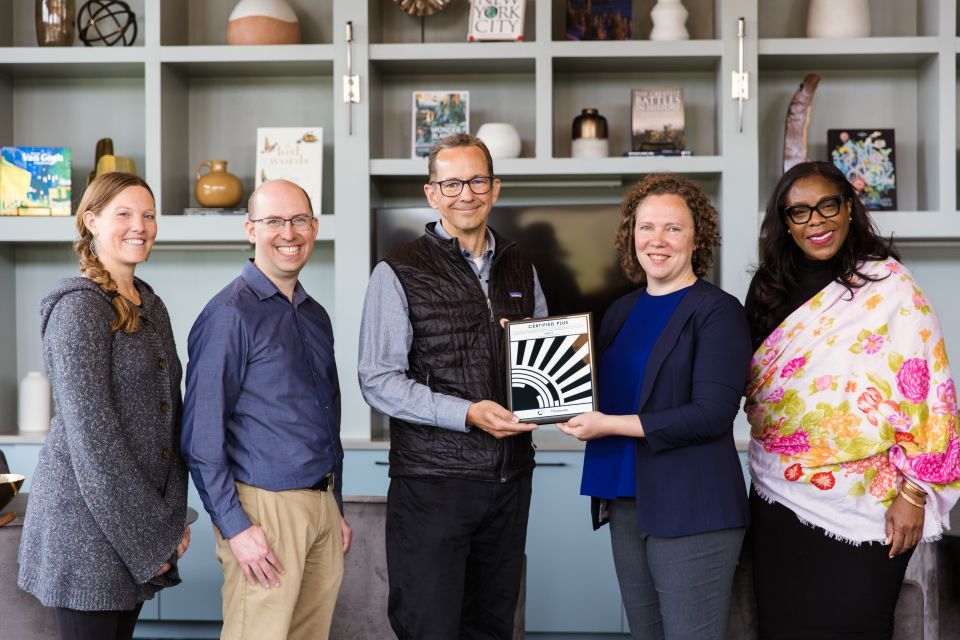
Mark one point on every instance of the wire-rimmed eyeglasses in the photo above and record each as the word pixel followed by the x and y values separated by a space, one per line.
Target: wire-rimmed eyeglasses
pixel 300 223
pixel 827 207
pixel 479 185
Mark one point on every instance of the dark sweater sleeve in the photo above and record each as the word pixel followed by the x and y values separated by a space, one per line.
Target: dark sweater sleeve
pixel 721 362
pixel 138 523
pixel 178 483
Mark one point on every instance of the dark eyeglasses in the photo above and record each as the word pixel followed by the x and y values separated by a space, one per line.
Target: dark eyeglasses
pixel 300 223
pixel 452 188
pixel 827 207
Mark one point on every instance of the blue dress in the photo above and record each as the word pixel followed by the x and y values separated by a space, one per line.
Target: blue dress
pixel 609 464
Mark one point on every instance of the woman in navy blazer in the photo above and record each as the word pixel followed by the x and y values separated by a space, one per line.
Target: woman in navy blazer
pixel 660 462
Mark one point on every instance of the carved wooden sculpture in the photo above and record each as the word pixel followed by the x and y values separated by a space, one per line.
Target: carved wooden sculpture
pixel 798 121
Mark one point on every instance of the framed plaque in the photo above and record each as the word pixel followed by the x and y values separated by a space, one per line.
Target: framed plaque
pixel 551 375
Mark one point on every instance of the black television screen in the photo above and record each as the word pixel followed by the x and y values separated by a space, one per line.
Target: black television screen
pixel 570 245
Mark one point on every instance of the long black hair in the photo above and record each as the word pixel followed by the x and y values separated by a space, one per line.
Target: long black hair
pixel 776 275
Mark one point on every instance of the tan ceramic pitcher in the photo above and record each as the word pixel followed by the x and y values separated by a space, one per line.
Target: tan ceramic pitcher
pixel 217 187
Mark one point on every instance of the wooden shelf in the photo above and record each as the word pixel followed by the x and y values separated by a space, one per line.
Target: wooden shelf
pixel 172 228
pixel 636 55
pixel 942 226
pixel 15 437
pixel 846 53
pixel 72 62
pixel 560 168
pixel 247 61
pixel 445 58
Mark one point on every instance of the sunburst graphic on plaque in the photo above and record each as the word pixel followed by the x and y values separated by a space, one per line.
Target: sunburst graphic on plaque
pixel 551 368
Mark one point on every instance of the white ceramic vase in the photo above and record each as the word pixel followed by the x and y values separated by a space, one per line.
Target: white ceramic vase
pixel 34 403
pixel 669 21
pixel 590 148
pixel 838 19
pixel 263 22
pixel 501 139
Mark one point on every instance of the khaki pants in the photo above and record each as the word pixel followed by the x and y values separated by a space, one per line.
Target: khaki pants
pixel 303 530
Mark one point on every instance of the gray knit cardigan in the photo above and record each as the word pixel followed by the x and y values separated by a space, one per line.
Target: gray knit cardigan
pixel 109 495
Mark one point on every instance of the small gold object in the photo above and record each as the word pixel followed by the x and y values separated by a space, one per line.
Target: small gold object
pixel 10 484
pixel 917 503
pixel 913 487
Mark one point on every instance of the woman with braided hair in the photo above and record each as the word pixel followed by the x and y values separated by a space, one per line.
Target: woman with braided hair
pixel 105 525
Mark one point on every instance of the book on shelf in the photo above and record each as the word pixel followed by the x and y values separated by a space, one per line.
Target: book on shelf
pixel 599 19
pixel 215 211
pixel 867 157
pixel 496 20
pixel 436 115
pixel 662 153
pixel 35 181
pixel 657 121
pixel 294 154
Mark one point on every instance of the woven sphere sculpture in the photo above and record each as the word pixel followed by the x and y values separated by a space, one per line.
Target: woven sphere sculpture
pixel 422 7
pixel 107 22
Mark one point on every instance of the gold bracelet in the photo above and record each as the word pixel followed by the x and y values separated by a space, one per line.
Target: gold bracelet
pixel 921 497
pixel 912 485
pixel 913 501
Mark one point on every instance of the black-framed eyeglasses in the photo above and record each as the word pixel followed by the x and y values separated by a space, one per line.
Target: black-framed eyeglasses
pixel 300 223
pixel 827 207
pixel 479 185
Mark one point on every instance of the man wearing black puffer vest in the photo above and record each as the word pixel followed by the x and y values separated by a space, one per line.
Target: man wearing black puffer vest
pixel 432 358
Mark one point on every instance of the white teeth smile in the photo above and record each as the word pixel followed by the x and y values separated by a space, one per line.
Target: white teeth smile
pixel 289 251
pixel 134 241
pixel 657 257
pixel 823 236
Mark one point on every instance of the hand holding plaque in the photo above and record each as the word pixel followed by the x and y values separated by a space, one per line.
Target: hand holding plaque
pixel 550 368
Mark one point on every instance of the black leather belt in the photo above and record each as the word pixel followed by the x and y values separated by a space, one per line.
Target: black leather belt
pixel 326 482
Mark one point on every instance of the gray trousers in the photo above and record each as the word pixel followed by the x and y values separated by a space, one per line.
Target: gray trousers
pixel 673 588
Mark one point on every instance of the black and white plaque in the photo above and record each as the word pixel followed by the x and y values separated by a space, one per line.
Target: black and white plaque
pixel 550 372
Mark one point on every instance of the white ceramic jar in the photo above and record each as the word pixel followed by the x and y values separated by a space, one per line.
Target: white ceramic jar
pixel 501 139
pixel 33 410
pixel 838 19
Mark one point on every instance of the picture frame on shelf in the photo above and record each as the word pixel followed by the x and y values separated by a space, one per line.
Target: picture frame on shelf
pixel 867 157
pixel 436 115
pixel 294 154
pixel 496 20
pixel 35 181
pixel 599 20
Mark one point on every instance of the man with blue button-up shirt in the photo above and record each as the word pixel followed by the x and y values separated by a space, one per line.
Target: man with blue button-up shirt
pixel 261 431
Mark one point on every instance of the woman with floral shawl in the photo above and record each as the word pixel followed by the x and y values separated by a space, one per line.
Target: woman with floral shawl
pixel 854 451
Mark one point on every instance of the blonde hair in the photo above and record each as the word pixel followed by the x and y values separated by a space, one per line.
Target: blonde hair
pixel 99 194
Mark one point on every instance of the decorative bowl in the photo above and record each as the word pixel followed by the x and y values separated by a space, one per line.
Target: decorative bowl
pixel 10 484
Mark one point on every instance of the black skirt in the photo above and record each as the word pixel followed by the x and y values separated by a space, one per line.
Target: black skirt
pixel 809 585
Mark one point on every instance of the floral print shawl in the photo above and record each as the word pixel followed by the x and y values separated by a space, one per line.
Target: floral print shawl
pixel 848 395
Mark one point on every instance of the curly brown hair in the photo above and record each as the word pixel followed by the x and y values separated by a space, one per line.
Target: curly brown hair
pixel 100 193
pixel 705 225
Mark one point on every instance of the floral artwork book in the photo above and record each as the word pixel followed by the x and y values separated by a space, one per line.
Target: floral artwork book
pixel 868 158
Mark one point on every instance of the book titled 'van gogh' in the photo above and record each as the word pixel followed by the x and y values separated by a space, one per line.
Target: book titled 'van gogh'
pixel 35 181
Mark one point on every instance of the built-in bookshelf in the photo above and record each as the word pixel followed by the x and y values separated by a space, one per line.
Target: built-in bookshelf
pixel 180 95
